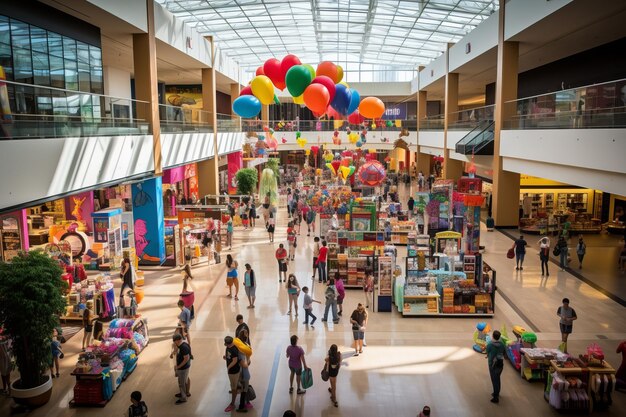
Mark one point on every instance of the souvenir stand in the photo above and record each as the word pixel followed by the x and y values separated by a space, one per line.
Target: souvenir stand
pixel 363 216
pixel 95 293
pixel 107 237
pixel 107 363
pixel 382 292
pixel 195 224
pixel 352 253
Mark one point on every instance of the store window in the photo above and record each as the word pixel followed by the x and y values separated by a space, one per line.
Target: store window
pixel 32 55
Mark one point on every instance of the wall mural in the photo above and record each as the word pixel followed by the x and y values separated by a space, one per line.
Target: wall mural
pixel 149 223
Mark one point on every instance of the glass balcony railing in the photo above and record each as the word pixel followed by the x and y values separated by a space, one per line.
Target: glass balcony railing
pixel 228 123
pixel 178 119
pixel 432 123
pixel 590 107
pixel 28 111
pixel 319 125
pixel 470 118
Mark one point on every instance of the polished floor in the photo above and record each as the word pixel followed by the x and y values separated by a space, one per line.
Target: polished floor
pixel 407 362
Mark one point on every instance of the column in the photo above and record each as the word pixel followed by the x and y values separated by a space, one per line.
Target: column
pixel 265 114
pixel 145 72
pixel 452 168
pixel 235 88
pixel 505 200
pixel 149 221
pixel 208 171
pixel 422 160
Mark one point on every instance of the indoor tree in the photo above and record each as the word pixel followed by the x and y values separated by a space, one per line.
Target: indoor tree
pixel 31 301
pixel 247 179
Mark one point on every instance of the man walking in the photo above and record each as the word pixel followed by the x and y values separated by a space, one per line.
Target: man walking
pixel 321 262
pixel 520 252
pixel 183 364
pixel 495 360
pixel 241 325
pixel 331 301
pixel 233 368
pixel 567 315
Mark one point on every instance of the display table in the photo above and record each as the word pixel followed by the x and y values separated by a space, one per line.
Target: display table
pixel 535 363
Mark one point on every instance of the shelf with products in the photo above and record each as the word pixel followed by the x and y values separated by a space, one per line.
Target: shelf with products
pixel 94 293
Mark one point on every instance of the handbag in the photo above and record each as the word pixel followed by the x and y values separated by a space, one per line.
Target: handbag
pixel 325 374
pixel 556 251
pixel 510 253
pixel 251 393
pixel 307 378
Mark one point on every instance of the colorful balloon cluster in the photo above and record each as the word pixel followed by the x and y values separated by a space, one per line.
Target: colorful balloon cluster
pixel 320 90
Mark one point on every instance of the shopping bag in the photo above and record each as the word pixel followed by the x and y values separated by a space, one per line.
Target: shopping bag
pixel 307 378
pixel 510 253
pixel 325 374
pixel 251 393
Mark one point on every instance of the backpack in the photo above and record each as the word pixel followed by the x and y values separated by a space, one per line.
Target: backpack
pixel 330 294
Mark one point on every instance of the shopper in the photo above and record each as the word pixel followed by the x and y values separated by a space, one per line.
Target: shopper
pixel 243 213
pixel 544 255
pixel 420 181
pixel 187 289
pixel 232 276
pixel 281 257
pixel 137 408
pixel 333 363
pixel 242 325
pixel 289 202
pixel 297 363
pixel 249 285
pixel 358 319
pixel 271 226
pixel 316 254
pixel 184 319
pixel 341 292
pixel 291 240
pixel 293 291
pixel 425 412
pixel 5 363
pixel 252 212
pixel 126 274
pixel 520 253
pixel 174 351
pixel 308 306
pixel 410 204
pixel 322 256
pixel 581 250
pixel 244 380
pixel 567 316
pixel 183 365
pixel 310 220
pixel 87 327
pixel 331 301
pixel 229 233
pixel 368 287
pixel 233 368
pixel 563 252
pixel 495 360
pixel 57 353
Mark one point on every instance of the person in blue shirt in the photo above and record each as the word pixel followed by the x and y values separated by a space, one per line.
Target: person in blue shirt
pixel 57 353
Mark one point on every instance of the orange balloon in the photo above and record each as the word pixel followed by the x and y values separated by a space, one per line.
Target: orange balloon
pixel 328 69
pixel 316 98
pixel 371 108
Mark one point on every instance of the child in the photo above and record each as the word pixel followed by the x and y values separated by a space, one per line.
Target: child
pixel 137 408
pixel 87 326
pixel 57 353
pixel 308 306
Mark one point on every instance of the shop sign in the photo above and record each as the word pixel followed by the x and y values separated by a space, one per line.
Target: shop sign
pixel 395 112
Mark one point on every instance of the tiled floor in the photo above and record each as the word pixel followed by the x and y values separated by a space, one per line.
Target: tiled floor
pixel 407 363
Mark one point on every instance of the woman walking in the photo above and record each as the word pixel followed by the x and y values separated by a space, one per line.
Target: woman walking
pixel 341 292
pixel 229 233
pixel 333 363
pixel 232 276
pixel 271 226
pixel 310 220
pixel 127 276
pixel 581 250
pixel 544 255
pixel 291 240
pixel 295 354
pixel 281 257
pixel 293 291
pixel 87 326
pixel 249 282
pixel 368 287
pixel 358 319
pixel 252 212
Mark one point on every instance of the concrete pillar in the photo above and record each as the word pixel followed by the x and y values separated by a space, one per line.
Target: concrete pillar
pixel 505 199
pixel 147 197
pixel 208 173
pixel 145 72
pixel 452 169
pixel 235 88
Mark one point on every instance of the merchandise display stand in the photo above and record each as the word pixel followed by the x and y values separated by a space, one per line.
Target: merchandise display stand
pixel 383 290
pixel 535 363
pixel 95 293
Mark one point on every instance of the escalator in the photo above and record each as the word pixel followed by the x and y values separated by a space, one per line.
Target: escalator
pixel 479 141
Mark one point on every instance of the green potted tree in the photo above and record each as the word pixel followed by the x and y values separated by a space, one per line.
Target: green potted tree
pixel 30 302
pixel 247 179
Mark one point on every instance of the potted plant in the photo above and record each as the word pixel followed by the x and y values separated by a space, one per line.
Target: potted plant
pixel 30 302
pixel 246 180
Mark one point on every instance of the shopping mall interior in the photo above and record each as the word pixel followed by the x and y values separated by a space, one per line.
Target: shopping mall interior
pixel 433 145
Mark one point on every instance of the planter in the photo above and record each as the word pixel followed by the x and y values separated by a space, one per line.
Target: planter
pixel 32 397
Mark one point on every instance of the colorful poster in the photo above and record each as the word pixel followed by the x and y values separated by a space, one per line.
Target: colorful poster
pixel 149 221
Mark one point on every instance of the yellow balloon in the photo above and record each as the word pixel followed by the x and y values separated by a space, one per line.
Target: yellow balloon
pixel 263 89
pixel 373 125
pixel 307 152
pixel 339 73
pixel 372 150
pixel 299 99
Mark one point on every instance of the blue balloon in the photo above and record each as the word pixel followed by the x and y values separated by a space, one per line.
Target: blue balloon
pixel 341 102
pixel 359 143
pixel 355 100
pixel 247 106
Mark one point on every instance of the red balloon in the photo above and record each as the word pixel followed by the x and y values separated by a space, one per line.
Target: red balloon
pixel 326 82
pixel 336 164
pixel 316 98
pixel 259 71
pixel 246 91
pixel 275 73
pixel 356 118
pixel 280 85
pixel 288 62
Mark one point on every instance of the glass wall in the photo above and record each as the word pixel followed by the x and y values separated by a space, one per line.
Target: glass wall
pixel 34 56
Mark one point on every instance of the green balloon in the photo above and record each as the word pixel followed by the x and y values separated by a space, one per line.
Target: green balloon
pixel 311 70
pixel 297 79
pixel 276 100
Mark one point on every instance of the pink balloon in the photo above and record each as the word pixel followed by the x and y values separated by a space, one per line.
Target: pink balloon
pixel 326 82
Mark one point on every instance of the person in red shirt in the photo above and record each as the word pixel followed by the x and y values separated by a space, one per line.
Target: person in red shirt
pixel 281 257
pixel 321 262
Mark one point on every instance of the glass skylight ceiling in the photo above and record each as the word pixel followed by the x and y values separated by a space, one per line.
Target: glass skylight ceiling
pixel 376 40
